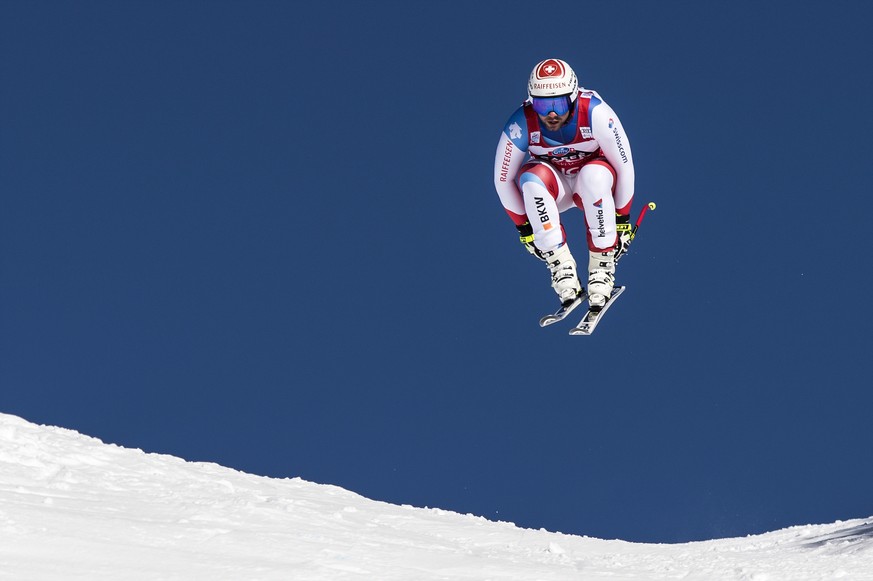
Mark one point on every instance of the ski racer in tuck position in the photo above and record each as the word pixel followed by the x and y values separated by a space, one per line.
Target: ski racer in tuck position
pixel 565 147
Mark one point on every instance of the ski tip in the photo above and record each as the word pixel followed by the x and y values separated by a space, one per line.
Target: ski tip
pixel 578 331
pixel 565 309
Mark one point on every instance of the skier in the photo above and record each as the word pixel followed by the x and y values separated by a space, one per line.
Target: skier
pixel 564 147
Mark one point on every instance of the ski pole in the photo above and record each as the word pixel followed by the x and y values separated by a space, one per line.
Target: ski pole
pixel 646 208
pixel 633 229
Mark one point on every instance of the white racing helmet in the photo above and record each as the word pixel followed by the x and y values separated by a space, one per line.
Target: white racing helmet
pixel 552 78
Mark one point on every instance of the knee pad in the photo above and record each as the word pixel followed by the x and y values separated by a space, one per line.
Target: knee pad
pixel 596 180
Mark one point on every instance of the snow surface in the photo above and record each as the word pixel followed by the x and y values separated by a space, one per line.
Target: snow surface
pixel 72 507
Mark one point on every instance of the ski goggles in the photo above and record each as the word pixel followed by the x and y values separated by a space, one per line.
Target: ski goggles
pixel 545 105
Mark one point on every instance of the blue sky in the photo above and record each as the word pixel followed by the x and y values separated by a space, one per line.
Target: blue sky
pixel 265 235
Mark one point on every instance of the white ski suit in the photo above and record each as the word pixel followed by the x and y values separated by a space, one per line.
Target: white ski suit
pixel 586 163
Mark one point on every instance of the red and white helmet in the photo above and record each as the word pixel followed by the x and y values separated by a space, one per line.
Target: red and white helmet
pixel 553 78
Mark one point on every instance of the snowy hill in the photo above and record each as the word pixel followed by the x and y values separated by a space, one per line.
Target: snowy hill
pixel 72 507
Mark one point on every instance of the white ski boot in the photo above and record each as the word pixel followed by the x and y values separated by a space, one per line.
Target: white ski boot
pixel 601 277
pixel 565 281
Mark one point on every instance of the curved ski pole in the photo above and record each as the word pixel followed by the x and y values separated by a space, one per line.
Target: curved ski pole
pixel 635 227
pixel 646 208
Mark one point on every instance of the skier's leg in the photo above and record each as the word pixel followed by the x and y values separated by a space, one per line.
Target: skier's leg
pixel 541 185
pixel 592 193
pixel 623 204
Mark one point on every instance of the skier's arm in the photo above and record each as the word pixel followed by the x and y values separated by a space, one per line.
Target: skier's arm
pixel 610 135
pixel 510 155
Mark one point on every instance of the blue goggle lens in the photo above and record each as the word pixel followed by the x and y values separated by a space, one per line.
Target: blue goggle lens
pixel 545 105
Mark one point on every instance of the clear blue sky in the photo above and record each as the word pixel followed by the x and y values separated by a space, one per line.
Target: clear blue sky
pixel 265 235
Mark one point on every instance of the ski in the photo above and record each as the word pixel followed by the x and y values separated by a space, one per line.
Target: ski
pixel 592 318
pixel 589 321
pixel 565 310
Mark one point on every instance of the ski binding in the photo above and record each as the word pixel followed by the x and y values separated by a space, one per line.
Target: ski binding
pixel 589 321
pixel 565 310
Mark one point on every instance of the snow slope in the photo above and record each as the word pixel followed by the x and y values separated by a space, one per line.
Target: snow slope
pixel 72 507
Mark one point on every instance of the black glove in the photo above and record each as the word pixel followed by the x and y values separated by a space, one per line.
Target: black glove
pixel 625 234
